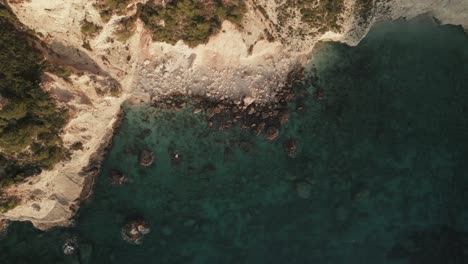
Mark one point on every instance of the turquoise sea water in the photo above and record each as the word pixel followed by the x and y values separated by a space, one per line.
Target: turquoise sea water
pixel 384 156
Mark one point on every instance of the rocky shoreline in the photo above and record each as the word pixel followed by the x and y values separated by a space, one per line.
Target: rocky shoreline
pixel 264 118
pixel 259 118
pixel 4 226
pixel 93 169
pixel 241 62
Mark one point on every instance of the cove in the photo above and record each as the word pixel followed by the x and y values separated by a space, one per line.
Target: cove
pixel 380 174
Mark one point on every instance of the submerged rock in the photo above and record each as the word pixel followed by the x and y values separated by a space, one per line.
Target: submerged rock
pixel 135 230
pixel 319 94
pixel 248 100
pixel 259 129
pixel 3 226
pixel 145 133
pixel 304 189
pixel 116 177
pixel 272 133
pixel 176 159
pixel 70 247
pixel 130 151
pixel 290 147
pixel 146 158
pixel 247 146
pixel 283 117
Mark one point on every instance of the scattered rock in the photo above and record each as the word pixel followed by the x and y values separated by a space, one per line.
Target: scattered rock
pixel 134 231
pixel 272 133
pixel 290 147
pixel 116 177
pixel 248 113
pixel 176 159
pixel 283 117
pixel 145 133
pixel 70 247
pixel 248 100
pixel 3 225
pixel 130 151
pixel 146 158
pixel 210 112
pixel 247 146
pixel 304 189
pixel 260 128
pixel 319 94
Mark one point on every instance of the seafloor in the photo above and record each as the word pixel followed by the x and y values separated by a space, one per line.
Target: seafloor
pixel 380 173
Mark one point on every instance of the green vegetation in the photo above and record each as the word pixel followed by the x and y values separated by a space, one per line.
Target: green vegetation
pixel 192 21
pixel 322 14
pixel 126 25
pixel 86 45
pixel 325 15
pixel 63 72
pixel 76 146
pixel 8 204
pixel 109 7
pixel 30 121
pixel 364 9
pixel 89 28
pixel 125 29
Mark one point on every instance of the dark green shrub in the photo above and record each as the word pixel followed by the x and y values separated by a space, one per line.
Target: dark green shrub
pixel 8 204
pixel 323 15
pixel 125 28
pixel 76 146
pixel 109 7
pixel 30 121
pixel 192 21
pixel 89 28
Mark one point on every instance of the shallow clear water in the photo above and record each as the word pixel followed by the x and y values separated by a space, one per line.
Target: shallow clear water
pixel 385 156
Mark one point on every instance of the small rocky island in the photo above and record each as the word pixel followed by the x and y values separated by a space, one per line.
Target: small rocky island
pixel 134 231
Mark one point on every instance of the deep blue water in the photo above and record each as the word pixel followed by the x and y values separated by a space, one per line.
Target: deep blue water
pixel 384 156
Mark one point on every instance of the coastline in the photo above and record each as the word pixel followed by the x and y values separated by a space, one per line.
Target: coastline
pixel 92 170
pixel 159 70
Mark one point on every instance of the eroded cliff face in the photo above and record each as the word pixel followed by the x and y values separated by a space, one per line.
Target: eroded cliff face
pixel 252 60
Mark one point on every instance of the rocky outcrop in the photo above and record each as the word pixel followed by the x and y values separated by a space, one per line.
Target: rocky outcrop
pixel 146 158
pixel 134 231
pixel 250 62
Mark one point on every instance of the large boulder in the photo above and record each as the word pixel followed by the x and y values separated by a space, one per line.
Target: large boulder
pixel 290 147
pixel 176 159
pixel 135 230
pixel 146 158
pixel 304 189
pixel 70 247
pixel 116 177
pixel 272 133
